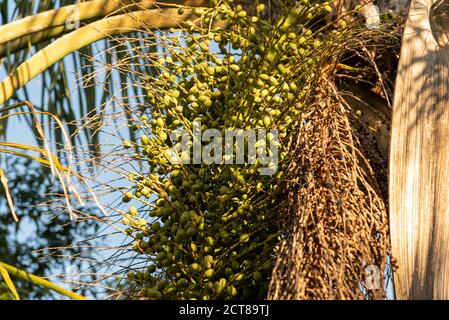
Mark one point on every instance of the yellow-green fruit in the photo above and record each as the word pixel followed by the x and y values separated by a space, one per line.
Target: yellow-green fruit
pixel 210 71
pixel 127 196
pixel 127 144
pixel 126 220
pixel 182 283
pixel 145 140
pixel 234 67
pixel 244 237
pixel 273 81
pixel 154 294
pixel 232 291
pixel 146 192
pixel 242 14
pixel 195 267
pixel 156 226
pixel 327 8
pixel 267 121
pixel 160 122
pixel 209 273
pixel 219 286
pixel 151 268
pixel 238 277
pixel 209 241
pixel 133 211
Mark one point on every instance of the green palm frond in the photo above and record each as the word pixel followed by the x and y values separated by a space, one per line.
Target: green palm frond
pixel 37 40
pixel 6 270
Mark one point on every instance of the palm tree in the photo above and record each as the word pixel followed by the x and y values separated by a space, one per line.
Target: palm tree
pixel 418 200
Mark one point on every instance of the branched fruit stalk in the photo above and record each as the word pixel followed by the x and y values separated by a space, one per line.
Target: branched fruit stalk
pixel 211 230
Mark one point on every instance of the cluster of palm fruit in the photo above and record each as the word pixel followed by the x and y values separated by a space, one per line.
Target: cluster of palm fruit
pixel 210 231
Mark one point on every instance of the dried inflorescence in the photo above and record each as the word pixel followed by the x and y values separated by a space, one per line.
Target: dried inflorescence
pixel 336 224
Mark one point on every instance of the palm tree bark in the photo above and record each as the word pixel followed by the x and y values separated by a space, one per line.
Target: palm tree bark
pixel 419 163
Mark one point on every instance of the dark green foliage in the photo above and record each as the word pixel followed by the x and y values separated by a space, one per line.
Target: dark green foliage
pixel 43 224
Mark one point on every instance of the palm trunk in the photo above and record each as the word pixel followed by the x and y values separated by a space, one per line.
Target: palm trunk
pixel 419 163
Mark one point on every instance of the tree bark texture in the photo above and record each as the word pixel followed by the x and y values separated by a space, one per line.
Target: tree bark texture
pixel 419 156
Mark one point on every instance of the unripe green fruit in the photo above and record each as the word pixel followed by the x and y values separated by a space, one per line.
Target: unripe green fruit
pixel 267 121
pixel 133 211
pixel 185 217
pixel 162 136
pixel 224 190
pixel 224 235
pixel 186 184
pixel 244 237
pixel 207 103
pixel 180 233
pixel 199 220
pixel 163 239
pixel 161 255
pixel 170 291
pixel 161 285
pixel 273 81
pixel 127 144
pixel 242 14
pixel 219 286
pixel 238 277
pixel 224 199
pixel 216 94
pixel 127 196
pixel 207 249
pixel 182 283
pixel 156 226
pixel 208 260
pixel 174 228
pixel 154 294
pixel 202 172
pixel 209 241
pixel 197 187
pixel 209 273
pixel 210 71
pixel 232 291
pixel 260 7
pixel 145 140
pixel 151 268
pixel 209 286
pixel 190 231
pixel 234 67
pixel 161 202
pixel 195 267
pixel 166 263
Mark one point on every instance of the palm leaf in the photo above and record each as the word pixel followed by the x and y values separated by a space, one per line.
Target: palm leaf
pixel 6 269
pixel 5 275
pixel 25 42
